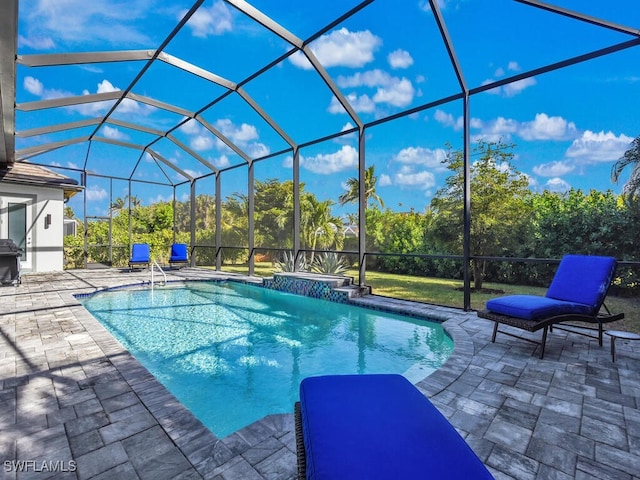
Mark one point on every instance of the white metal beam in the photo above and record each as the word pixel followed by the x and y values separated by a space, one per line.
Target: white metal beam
pixel 8 47
pixel 223 138
pixel 67 101
pixel 159 157
pixel 25 153
pixel 55 59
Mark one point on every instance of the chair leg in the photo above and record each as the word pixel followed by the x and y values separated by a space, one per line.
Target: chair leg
pixel 544 341
pixel 613 349
pixel 600 334
pixel 495 331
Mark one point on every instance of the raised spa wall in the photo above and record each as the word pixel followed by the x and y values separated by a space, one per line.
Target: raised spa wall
pixel 335 289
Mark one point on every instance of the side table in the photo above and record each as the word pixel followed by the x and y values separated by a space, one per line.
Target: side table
pixel 614 334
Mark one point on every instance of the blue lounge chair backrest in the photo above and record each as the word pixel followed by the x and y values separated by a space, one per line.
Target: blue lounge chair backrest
pixel 583 279
pixel 140 252
pixel 178 252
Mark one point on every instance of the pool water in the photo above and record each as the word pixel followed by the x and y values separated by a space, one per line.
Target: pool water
pixel 233 353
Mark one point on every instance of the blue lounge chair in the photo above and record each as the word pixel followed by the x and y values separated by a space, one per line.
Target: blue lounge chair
pixel 178 254
pixel 376 427
pixel 576 293
pixel 139 255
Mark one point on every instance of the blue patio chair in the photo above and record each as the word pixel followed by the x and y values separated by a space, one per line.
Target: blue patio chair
pixel 140 255
pixel 375 427
pixel 179 254
pixel 576 294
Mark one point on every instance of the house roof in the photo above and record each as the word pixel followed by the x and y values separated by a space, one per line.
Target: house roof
pixel 24 173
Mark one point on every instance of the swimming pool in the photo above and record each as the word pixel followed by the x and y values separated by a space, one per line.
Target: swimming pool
pixel 233 353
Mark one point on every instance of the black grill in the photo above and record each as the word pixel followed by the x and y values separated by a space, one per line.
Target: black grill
pixel 8 246
pixel 10 255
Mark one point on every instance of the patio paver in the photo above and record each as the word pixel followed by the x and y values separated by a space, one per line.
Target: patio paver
pixel 75 404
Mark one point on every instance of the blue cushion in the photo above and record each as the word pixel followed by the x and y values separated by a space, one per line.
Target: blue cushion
pixel 379 427
pixel 139 253
pixel 178 252
pixel 583 279
pixel 533 307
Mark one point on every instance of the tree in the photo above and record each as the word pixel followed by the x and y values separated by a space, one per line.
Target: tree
pixel 630 158
pixel 318 226
pixel 575 222
pixel 352 195
pixel 499 210
pixel 274 213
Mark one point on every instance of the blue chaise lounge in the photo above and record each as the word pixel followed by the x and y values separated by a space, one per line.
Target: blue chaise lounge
pixel 140 255
pixel 179 254
pixel 375 427
pixel 576 294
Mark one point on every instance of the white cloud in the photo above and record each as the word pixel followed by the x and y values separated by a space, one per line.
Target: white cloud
pixel 33 86
pixel 222 161
pixel 511 89
pixel 514 88
pixel 598 147
pixel 500 128
pixel 192 173
pixel 95 193
pixel 100 108
pixel 391 90
pixel 513 66
pixel 113 133
pixel 400 59
pixel 347 126
pixel 449 120
pixel 553 169
pixel 237 134
pixel 242 136
pixel 200 143
pixel 36 42
pixel 214 20
pixel 257 150
pixel 361 104
pixel 82 22
pixel 325 164
pixel 544 127
pixel 341 48
pixel 384 180
pixel 409 178
pixel 422 156
pixel 398 94
pixel 557 185
pixel 369 78
pixel 191 127
pixel 36 87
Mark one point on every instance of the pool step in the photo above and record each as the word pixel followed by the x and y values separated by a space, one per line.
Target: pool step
pixel 354 291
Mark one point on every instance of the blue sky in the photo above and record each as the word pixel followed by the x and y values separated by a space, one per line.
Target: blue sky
pixel 569 125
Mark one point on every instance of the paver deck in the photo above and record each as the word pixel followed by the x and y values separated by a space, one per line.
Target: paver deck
pixel 75 404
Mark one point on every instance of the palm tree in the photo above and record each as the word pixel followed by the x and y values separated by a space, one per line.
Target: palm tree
pixel 318 227
pixel 630 157
pixel 352 195
pixel 117 205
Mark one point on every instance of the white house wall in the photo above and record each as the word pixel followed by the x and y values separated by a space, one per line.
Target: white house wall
pixel 46 246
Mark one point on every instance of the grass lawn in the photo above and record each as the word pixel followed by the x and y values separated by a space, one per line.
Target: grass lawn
pixel 441 291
